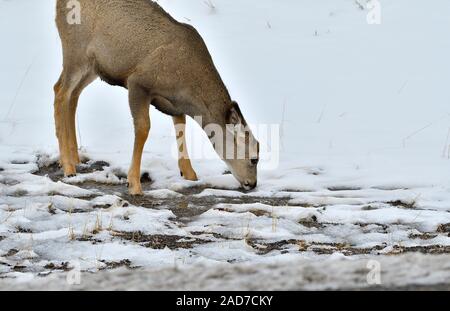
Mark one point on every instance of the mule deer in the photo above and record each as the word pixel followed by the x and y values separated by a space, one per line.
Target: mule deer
pixel 135 44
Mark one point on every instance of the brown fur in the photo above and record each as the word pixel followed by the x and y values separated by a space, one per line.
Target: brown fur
pixel 137 45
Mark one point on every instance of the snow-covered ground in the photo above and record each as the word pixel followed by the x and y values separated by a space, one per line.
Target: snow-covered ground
pixel 364 166
pixel 333 274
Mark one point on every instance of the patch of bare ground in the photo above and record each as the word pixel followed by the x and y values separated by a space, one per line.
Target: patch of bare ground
pixel 63 266
pixel 343 248
pixel 383 228
pixel 215 235
pixel 402 204
pixel 156 241
pixel 11 252
pixel 422 236
pixel 185 207
pixel 19 268
pixel 429 249
pixel 343 188
pixel 9 181
pixel 369 207
pixel 296 190
pixel 88 238
pixel 23 230
pixel 311 222
pixel 117 264
pixel 19 193
pixel 19 162
pixel 264 248
pixel 189 205
pixel 444 228
pixel 389 188
pixel 55 173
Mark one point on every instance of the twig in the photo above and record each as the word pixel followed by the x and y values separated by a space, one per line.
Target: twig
pixel 422 129
pixel 402 87
pixel 359 5
pixel 416 132
pixel 322 113
pixel 210 5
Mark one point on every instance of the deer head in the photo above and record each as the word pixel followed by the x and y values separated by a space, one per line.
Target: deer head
pixel 236 146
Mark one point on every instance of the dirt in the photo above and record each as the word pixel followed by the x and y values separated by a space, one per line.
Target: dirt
pixel 444 228
pixel 23 230
pixel 19 193
pixel 117 264
pixel 9 181
pixel 51 209
pixel 172 242
pixel 63 266
pixel 19 268
pixel 311 222
pixel 318 248
pixel 402 204
pixel 347 250
pixel 55 173
pixel 343 188
pixel 383 227
pixel 185 208
pixel 429 249
pixel 265 248
pixel 423 236
pixel 18 162
pixel 11 252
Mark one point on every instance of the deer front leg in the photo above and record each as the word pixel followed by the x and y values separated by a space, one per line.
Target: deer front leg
pixel 140 109
pixel 184 163
pixel 62 108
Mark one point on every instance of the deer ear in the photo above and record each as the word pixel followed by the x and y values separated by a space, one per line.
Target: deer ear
pixel 234 115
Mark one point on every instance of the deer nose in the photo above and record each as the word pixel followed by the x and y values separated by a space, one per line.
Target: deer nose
pixel 254 161
pixel 249 185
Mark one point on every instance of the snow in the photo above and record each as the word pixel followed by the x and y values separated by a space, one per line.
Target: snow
pixel 163 194
pixel 335 273
pixel 364 149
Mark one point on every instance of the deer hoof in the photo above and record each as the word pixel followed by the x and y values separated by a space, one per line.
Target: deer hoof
pixel 135 192
pixel 191 176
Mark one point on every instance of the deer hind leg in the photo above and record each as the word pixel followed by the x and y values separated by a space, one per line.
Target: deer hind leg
pixel 140 111
pixel 87 79
pixel 184 163
pixel 67 92
pixel 63 90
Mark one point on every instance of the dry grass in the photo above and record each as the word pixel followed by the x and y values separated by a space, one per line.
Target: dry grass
pixel 210 5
